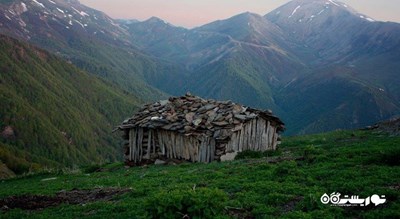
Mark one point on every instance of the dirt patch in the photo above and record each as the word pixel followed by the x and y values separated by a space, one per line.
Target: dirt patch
pixel 8 133
pixel 239 213
pixel 37 202
pixel 5 172
pixel 291 206
pixel 395 187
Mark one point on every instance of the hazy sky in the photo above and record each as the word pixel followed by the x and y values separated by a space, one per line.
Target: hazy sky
pixel 192 13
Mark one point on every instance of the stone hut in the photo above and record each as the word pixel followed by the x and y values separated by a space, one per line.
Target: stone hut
pixel 197 130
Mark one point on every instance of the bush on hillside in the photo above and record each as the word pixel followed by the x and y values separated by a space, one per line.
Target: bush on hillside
pixel 198 203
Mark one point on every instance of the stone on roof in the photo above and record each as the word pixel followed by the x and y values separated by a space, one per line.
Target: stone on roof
pixel 193 116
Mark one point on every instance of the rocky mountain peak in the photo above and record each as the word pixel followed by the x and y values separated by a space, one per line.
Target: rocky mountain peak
pixel 155 20
pixel 312 11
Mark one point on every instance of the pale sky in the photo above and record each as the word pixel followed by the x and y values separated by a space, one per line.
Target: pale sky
pixel 192 13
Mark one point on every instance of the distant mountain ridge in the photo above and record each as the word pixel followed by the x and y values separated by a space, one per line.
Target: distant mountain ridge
pixel 296 60
pixel 89 39
pixel 350 54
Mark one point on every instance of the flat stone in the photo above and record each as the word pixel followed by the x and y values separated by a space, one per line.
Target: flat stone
pixel 189 117
pixel 240 117
pixel 237 109
pixel 197 122
pixel 222 123
pixel 252 116
pixel 159 162
pixel 188 128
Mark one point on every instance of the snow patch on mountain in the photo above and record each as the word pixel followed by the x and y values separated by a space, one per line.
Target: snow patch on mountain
pixel 294 11
pixel 331 1
pixel 370 19
pixel 22 23
pixel 60 10
pixel 82 13
pixel 24 8
pixel 367 18
pixel 83 26
pixel 52 2
pixel 38 3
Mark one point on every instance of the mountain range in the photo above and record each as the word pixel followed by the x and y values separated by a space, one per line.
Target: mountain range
pixel 318 64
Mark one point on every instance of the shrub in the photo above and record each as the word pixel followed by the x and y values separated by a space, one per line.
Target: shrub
pixel 388 157
pixel 286 168
pixel 199 203
pixel 92 168
pixel 271 153
pixel 310 153
pixel 248 154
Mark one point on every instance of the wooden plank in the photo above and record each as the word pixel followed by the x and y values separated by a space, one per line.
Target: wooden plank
pixel 190 148
pixel 173 144
pixel 270 137
pixel 203 149
pixel 168 144
pixel 153 143
pixel 134 140
pixel 140 145
pixel 267 135
pixel 247 136
pixel 262 130
pixel 276 135
pixel 259 134
pixel 250 136
pixel 253 134
pixel 235 144
pixel 241 140
pixel 185 147
pixel 212 149
pixel 131 136
pixel 148 152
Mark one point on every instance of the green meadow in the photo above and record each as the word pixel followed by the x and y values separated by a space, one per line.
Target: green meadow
pixel 287 183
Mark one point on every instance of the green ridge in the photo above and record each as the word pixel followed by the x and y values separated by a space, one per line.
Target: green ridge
pixel 60 115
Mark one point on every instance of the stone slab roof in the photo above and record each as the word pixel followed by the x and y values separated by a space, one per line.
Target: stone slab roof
pixel 192 115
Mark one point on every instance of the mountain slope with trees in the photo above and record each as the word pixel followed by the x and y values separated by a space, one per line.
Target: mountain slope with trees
pixel 54 114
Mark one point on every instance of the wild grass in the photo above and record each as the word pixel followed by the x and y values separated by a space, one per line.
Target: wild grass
pixel 350 162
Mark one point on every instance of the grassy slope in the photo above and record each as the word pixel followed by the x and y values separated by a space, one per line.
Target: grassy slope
pixel 350 162
pixel 61 115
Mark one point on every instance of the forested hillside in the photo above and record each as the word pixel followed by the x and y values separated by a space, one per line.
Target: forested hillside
pixel 54 114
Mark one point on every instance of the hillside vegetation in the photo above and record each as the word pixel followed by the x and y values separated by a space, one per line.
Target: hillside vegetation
pixel 54 114
pixel 350 162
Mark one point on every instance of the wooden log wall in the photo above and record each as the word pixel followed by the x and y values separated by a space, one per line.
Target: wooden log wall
pixel 257 135
pixel 149 144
